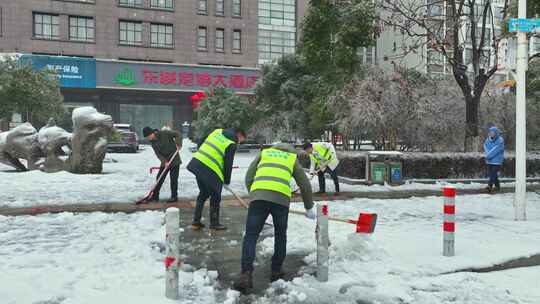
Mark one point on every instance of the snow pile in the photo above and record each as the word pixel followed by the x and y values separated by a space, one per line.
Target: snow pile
pixel 93 258
pixel 83 116
pixel 403 263
pixel 125 178
pixel 117 258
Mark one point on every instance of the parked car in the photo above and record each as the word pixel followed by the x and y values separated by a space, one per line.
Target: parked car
pixel 125 139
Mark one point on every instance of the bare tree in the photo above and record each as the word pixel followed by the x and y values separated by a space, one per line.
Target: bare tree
pixel 452 28
pixel 398 111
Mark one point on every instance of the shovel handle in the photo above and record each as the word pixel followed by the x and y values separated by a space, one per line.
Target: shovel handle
pixel 245 205
pixel 335 219
pixel 238 198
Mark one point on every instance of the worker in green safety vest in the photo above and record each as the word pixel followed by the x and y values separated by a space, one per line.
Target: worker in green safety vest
pixel 268 180
pixel 212 166
pixel 323 158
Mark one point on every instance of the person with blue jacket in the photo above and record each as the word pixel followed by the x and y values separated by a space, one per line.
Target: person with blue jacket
pixel 494 150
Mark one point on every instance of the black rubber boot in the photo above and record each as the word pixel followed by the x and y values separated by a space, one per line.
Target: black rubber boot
pixel 197 226
pixel 173 199
pixel 244 283
pixel 197 213
pixel 214 219
pixel 153 199
pixel 276 275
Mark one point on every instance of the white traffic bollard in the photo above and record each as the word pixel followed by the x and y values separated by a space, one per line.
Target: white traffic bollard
pixel 322 243
pixel 172 260
pixel 449 225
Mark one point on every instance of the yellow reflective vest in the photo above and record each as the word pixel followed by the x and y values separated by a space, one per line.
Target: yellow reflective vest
pixel 274 171
pixel 212 152
pixel 325 153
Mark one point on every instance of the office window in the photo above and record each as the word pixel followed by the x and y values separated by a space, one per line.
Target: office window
pixel 220 37
pixel 274 44
pixel 237 41
pixel 220 8
pixel 236 8
pixel 130 33
pixel 131 2
pixel 201 38
pixel 81 28
pixel 165 4
pixel 203 7
pixel 272 13
pixel 46 26
pixel 161 35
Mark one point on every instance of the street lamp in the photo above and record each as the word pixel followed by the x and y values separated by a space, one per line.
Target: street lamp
pixel 520 199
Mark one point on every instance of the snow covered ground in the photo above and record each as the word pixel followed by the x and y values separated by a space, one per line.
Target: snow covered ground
pixel 127 178
pixel 110 258
pixel 402 262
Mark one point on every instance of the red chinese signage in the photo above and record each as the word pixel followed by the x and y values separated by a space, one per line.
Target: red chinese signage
pixel 201 79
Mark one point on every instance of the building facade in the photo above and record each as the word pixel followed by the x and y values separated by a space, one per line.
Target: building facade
pixel 277 29
pixel 209 32
pixel 389 52
pixel 141 60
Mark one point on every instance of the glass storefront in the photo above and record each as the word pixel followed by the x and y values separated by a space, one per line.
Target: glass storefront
pixel 140 116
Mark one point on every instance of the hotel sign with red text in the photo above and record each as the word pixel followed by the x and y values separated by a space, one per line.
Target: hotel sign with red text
pixel 157 76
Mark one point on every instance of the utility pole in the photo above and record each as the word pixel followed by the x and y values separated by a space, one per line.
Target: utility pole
pixel 520 200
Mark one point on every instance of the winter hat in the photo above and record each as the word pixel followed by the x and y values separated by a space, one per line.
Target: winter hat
pixel 494 130
pixel 146 131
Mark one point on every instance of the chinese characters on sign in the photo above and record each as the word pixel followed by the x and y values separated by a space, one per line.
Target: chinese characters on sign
pixel 172 77
pixel 65 71
pixel 72 72
pixel 187 79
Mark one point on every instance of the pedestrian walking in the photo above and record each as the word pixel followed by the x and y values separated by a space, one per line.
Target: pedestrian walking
pixel 494 154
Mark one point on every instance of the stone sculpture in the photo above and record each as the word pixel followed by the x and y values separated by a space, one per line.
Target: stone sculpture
pixel 20 143
pixel 87 144
pixel 51 140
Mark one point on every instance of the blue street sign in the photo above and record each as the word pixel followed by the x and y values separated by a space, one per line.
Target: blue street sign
pixel 523 25
pixel 73 72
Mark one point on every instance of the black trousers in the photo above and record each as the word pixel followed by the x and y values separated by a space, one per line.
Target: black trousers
pixel 493 173
pixel 173 172
pixel 205 192
pixel 257 213
pixel 322 180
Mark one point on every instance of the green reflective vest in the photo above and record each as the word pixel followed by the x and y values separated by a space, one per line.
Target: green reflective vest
pixel 325 153
pixel 212 152
pixel 274 171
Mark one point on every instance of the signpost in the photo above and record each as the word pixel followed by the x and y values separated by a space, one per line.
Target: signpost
pixel 522 26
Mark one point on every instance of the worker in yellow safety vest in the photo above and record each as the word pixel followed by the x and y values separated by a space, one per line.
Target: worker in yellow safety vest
pixel 212 166
pixel 323 160
pixel 268 180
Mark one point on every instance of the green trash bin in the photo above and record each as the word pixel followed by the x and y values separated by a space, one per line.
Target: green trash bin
pixel 378 173
pixel 395 173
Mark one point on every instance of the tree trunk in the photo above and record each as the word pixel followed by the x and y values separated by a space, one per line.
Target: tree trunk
pixel 472 139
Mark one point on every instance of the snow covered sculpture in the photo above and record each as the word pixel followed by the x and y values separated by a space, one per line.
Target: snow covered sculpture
pixel 51 139
pixel 20 143
pixel 89 140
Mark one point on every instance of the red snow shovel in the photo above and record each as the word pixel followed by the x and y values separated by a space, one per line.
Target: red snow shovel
pixel 150 193
pixel 365 224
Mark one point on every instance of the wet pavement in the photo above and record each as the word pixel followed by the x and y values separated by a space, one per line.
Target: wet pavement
pixel 222 250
